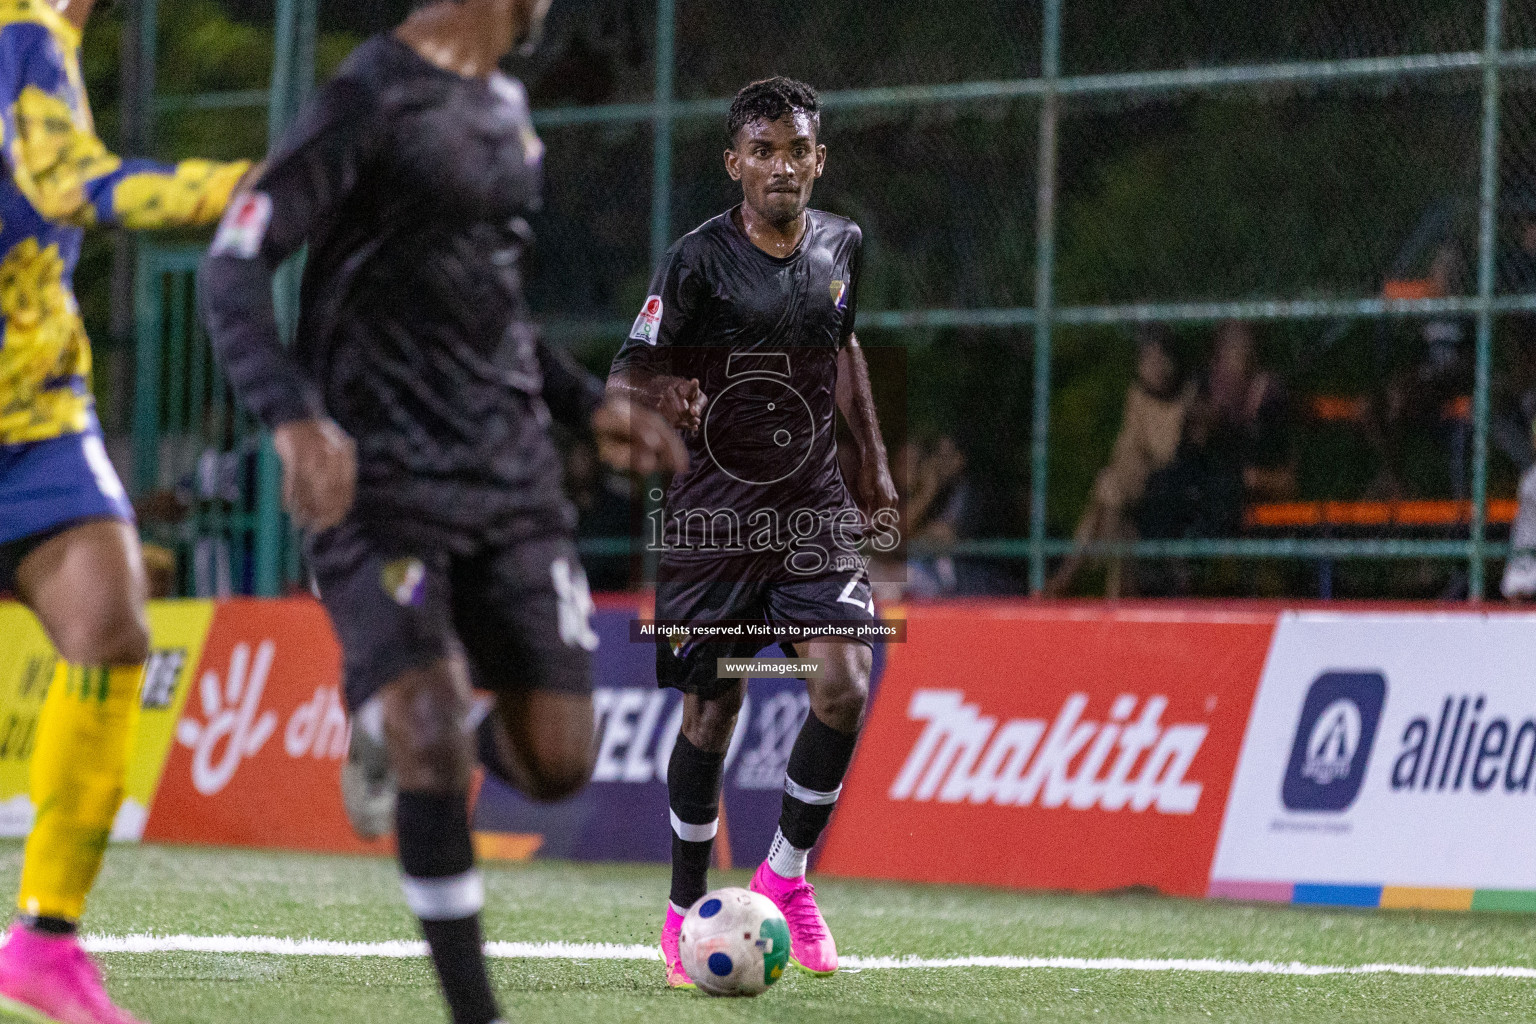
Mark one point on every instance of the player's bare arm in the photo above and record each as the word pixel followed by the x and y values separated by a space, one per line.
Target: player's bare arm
pixel 680 402
pixel 856 401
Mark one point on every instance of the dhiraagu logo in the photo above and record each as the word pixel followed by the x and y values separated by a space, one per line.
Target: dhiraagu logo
pixel 1334 737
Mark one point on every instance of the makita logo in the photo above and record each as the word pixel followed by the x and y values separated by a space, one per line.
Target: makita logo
pixel 1115 764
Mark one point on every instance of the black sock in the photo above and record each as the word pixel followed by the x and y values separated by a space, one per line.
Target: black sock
pixel 693 790
pixel 48 925
pixel 817 764
pixel 445 892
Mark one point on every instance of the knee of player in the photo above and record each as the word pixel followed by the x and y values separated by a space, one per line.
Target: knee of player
pixel 423 728
pixel 843 708
pixel 840 697
pixel 561 773
pixel 709 724
pixel 112 636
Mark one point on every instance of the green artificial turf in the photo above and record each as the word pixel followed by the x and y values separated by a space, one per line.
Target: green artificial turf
pixel 168 891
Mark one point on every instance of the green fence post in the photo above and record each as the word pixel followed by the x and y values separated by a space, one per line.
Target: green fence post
pixel 1487 206
pixel 661 190
pixel 1045 259
pixel 661 158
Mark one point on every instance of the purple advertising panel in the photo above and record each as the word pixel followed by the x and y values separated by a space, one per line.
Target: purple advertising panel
pixel 622 815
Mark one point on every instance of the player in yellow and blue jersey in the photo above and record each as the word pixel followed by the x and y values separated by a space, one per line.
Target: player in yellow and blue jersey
pixel 68 547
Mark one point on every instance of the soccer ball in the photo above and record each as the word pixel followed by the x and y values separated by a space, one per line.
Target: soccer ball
pixel 734 943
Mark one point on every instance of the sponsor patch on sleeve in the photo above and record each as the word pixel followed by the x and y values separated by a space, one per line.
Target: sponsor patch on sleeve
pixel 244 226
pixel 648 323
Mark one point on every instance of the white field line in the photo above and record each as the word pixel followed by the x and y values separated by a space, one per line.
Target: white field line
pixel 612 951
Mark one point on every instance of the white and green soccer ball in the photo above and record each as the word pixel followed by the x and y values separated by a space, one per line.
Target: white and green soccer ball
pixel 734 943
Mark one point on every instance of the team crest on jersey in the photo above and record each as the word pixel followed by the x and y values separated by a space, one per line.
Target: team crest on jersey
pixel 840 295
pixel 405 580
pixel 680 642
pixel 648 323
pixel 244 226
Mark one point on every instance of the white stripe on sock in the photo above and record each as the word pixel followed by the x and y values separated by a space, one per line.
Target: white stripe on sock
pixel 444 899
pixel 810 796
pixel 785 859
pixel 693 833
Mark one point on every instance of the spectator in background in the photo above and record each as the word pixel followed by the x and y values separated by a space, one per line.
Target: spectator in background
pixel 1246 413
pixel 1430 395
pixel 1157 405
pixel 1235 448
pixel 1514 389
pixel 948 503
pixel 1515 406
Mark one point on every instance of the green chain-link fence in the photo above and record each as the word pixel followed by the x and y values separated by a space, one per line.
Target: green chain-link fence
pixel 1033 179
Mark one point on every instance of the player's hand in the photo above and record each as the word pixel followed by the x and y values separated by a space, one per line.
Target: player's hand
pixel 876 488
pixel 682 403
pixel 319 471
pixel 634 439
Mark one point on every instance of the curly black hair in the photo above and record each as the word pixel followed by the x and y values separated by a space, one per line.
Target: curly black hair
pixel 771 99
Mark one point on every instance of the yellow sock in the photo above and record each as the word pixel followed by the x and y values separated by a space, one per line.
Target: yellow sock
pixel 79 765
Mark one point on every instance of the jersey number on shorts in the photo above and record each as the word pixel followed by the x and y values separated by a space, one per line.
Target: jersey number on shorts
pixel 847 596
pixel 575 605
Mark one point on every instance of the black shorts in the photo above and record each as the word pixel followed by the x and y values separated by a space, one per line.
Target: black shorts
pixel 840 597
pixel 520 613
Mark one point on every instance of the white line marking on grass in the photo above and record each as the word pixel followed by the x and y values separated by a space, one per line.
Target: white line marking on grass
pixel 402 949
pixel 393 949
pixel 1069 963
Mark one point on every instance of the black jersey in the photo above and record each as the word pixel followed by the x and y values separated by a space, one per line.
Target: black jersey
pixel 762 335
pixel 409 184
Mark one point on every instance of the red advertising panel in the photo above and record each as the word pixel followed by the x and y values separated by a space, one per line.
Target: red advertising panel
pixel 1052 747
pixel 261 739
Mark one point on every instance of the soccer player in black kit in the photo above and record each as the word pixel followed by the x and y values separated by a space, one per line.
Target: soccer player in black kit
pixel 746 342
pixel 418 386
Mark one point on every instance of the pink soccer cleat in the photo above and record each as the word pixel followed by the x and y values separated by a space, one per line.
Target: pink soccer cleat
pixel 48 979
pixel 670 933
pixel 810 942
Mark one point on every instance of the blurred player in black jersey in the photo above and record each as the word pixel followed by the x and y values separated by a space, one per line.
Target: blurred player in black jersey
pixel 746 342
pixel 412 418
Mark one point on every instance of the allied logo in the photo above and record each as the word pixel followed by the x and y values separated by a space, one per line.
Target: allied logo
pixel 405 580
pixel 648 324
pixel 839 291
pixel 1334 737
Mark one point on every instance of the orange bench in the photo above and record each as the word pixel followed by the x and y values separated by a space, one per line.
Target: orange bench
pixel 1354 409
pixel 1415 514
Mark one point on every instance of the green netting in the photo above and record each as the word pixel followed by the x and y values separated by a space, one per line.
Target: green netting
pixel 592 259
pixel 722 46
pixel 1102 37
pixel 945 196
pixel 1273 194
pixel 1517 183
pixel 1290 163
